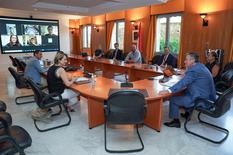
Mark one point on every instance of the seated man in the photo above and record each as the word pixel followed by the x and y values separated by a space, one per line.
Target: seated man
pixel 197 82
pixel 34 69
pixel 167 59
pixel 134 56
pixel 117 53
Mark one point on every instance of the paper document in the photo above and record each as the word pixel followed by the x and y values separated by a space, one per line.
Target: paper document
pixel 82 80
pixel 170 83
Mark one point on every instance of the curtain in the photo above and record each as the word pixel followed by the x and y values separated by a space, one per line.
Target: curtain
pixel 181 52
pixel 151 39
pixel 81 37
pixel 110 25
pixel 231 48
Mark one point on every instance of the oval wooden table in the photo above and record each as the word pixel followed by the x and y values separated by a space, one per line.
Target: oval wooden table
pixel 97 93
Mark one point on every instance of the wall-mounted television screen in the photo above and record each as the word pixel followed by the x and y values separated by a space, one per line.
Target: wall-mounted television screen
pixel 21 35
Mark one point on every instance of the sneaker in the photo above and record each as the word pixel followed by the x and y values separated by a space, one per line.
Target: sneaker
pixel 41 115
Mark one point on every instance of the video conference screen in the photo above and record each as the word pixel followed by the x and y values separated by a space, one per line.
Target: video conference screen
pixel 20 35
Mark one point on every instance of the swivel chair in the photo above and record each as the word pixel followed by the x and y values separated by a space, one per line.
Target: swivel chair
pixel 20 83
pixel 213 109
pixel 13 138
pixel 46 101
pixel 13 61
pixel 124 107
pixel 226 78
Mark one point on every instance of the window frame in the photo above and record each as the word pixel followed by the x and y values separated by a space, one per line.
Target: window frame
pixel 167 35
pixel 117 32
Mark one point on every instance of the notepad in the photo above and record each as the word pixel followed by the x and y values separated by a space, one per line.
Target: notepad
pixel 82 80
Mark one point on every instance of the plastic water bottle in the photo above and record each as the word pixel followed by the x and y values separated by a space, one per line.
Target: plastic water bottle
pixel 93 78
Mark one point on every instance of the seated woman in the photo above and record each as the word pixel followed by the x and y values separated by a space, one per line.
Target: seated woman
pixel 14 42
pixel 58 79
pixel 212 65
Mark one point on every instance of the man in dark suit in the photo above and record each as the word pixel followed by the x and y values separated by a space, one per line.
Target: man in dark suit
pixel 196 83
pixel 167 59
pixel 117 53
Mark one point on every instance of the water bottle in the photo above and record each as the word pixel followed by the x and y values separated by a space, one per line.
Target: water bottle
pixel 93 76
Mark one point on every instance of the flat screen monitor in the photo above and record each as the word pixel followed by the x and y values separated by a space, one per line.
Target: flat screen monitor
pixel 22 35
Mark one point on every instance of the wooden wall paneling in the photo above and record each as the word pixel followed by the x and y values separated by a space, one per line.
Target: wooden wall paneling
pixel 142 15
pixel 168 7
pixel 115 15
pixel 99 38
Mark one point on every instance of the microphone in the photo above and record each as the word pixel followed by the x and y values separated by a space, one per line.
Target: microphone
pixel 126 83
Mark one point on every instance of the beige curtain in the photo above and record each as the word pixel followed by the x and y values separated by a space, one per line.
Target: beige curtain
pixel 110 25
pixel 181 52
pixel 81 37
pixel 151 39
pixel 231 49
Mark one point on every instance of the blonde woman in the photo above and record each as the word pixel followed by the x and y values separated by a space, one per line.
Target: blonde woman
pixel 58 80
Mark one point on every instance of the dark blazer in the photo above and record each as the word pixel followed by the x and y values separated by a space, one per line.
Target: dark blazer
pixel 119 55
pixel 171 60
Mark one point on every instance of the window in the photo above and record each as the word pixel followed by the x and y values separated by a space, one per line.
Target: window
pixel 168 32
pixel 86 30
pixel 118 34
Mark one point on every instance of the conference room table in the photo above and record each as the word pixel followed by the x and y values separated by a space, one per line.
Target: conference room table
pixel 110 67
pixel 97 92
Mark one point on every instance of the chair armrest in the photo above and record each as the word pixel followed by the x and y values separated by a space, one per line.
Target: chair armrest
pixel 106 109
pixel 219 93
pixel 221 83
pixel 43 87
pixel 49 96
pixel 198 102
pixel 5 120
pixel 7 137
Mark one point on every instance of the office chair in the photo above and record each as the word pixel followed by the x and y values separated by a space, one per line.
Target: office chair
pixel 20 65
pixel 143 60
pixel 13 61
pixel 20 83
pixel 155 59
pixel 46 101
pixel 226 78
pixel 213 109
pixel 13 139
pixel 124 107
pixel 83 54
pixel 2 106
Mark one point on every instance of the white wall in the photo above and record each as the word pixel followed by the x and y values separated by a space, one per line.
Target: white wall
pixel 63 28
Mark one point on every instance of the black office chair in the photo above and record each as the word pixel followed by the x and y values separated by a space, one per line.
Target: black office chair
pixel 109 54
pixel 124 107
pixel 13 139
pixel 143 60
pixel 225 82
pixel 83 54
pixel 2 106
pixel 13 61
pixel 46 101
pixel 20 83
pixel 155 59
pixel 212 109
pixel 20 65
